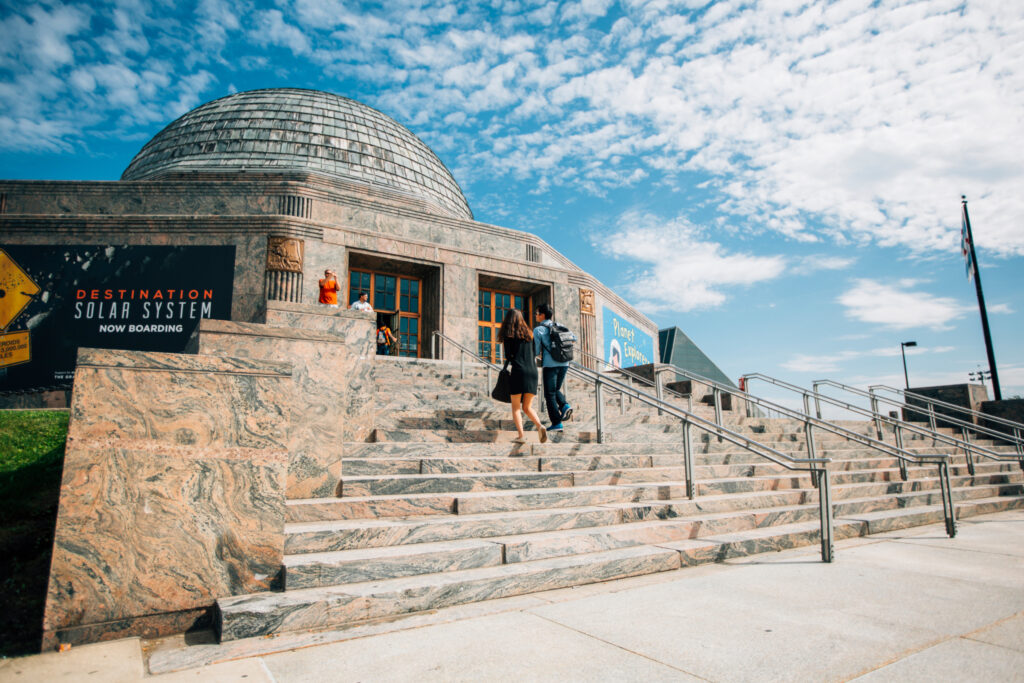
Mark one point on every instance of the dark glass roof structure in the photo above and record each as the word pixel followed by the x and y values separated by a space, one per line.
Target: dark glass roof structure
pixel 291 129
pixel 679 350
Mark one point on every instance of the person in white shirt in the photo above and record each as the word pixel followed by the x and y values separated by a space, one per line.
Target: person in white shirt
pixel 362 304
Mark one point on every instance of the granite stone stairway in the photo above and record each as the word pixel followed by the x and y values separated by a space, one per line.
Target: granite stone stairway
pixel 440 508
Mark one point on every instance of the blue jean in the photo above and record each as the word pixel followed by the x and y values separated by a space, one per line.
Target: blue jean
pixel 553 398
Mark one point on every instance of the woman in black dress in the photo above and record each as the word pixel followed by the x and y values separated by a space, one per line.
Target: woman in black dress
pixel 517 340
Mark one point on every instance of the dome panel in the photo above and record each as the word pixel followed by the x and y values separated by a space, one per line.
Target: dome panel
pixel 283 129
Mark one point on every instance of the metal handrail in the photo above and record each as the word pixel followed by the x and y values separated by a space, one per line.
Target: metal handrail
pixel 930 412
pixel 947 404
pixel 1018 429
pixel 969 449
pixel 902 455
pixel 658 386
pixel 817 467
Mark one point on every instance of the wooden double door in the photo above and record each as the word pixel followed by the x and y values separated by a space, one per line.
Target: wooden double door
pixel 492 305
pixel 398 302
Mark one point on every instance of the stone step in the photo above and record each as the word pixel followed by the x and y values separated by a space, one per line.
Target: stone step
pixel 369 507
pixel 451 483
pixel 757 540
pixel 268 613
pixel 397 484
pixel 562 448
pixel 311 570
pixel 463 465
pixel 327 536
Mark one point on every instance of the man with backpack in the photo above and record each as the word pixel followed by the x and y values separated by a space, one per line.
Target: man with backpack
pixel 554 343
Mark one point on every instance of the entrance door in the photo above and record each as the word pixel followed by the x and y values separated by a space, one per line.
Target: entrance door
pixel 492 305
pixel 396 300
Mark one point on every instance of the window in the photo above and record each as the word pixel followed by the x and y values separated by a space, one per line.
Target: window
pixel 358 282
pixel 492 306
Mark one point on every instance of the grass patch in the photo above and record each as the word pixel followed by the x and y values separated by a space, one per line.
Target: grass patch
pixel 31 461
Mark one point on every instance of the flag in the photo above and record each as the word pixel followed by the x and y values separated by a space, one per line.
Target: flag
pixel 965 245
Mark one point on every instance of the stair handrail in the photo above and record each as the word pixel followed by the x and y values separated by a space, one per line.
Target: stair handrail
pixel 656 383
pixel 969 449
pixel 901 454
pixel 933 416
pixel 1018 428
pixel 818 467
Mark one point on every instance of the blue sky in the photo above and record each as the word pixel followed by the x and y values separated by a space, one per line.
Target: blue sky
pixel 779 179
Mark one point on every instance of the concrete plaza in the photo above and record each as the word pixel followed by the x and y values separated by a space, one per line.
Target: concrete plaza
pixel 904 606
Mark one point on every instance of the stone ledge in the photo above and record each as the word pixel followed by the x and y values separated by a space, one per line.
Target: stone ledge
pixel 176 362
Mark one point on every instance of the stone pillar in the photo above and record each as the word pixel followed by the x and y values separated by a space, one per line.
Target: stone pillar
pixel 283 277
pixel 588 329
pixel 172 493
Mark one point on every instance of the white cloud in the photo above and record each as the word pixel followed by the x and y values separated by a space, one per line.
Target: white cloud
pixel 833 362
pixel 681 270
pixel 272 29
pixel 818 262
pixel 895 306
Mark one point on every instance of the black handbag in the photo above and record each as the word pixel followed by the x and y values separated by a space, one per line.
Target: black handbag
pixel 503 387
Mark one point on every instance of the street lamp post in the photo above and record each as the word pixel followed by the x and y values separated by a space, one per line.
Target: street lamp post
pixel 903 352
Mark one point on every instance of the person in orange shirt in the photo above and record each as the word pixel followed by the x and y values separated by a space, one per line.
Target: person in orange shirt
pixel 329 288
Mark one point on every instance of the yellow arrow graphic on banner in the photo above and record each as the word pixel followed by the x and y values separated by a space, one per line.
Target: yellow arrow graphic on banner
pixel 16 290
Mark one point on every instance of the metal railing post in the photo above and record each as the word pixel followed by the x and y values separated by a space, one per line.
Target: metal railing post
pixel 599 409
pixel 968 453
pixel 433 346
pixel 629 381
pixel 817 401
pixel 825 512
pixel 807 404
pixel 691 488
pixel 931 416
pixel 897 432
pixel 622 402
pixel 462 364
pixel 1020 444
pixel 659 389
pixel 809 435
pixel 716 395
pixel 878 417
pixel 487 387
pixel 947 499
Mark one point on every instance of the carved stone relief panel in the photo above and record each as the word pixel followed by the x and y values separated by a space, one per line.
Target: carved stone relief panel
pixel 284 254
pixel 587 302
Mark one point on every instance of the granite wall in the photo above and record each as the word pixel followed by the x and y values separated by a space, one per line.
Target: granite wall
pixel 966 395
pixel 244 209
pixel 1007 409
pixel 320 373
pixel 172 493
pixel 354 366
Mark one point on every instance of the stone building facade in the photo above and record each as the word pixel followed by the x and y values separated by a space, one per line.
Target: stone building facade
pixel 300 181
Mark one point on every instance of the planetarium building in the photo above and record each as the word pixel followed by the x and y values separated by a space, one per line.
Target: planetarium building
pixel 253 196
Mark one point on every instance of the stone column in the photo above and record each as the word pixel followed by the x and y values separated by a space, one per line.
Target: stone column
pixel 283 278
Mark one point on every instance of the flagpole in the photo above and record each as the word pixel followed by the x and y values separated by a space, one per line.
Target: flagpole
pixel 981 305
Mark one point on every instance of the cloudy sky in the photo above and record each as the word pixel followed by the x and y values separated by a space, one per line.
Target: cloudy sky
pixel 780 179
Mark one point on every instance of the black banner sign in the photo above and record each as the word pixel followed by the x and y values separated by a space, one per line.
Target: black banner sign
pixel 144 298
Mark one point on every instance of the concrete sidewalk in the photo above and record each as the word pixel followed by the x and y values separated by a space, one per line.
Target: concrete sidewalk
pixel 910 605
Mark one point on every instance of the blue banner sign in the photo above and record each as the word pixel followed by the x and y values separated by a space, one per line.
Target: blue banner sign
pixel 625 345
